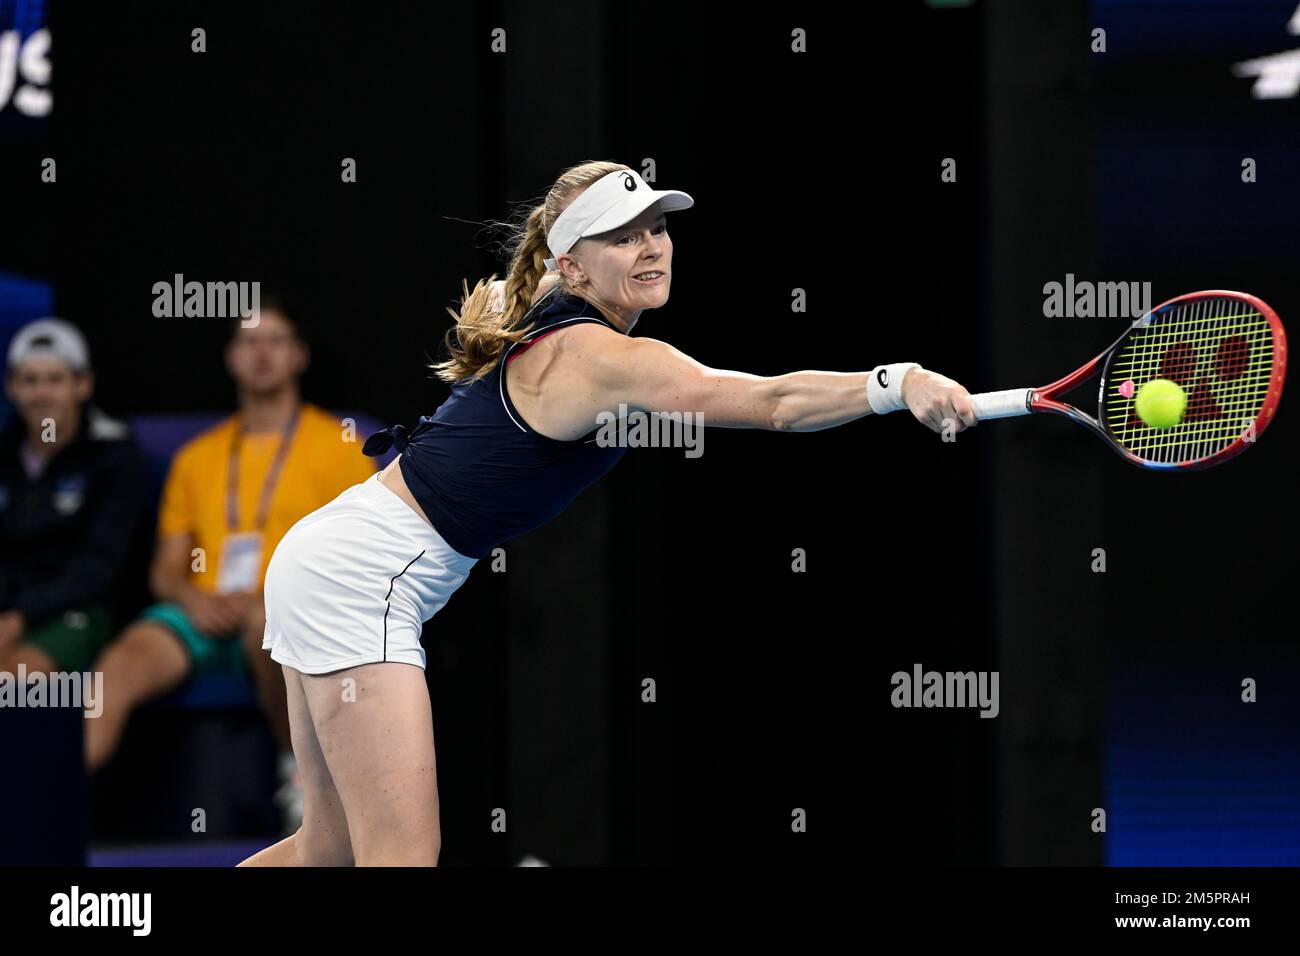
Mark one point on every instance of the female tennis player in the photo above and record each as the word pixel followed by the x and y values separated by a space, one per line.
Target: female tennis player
pixel 533 361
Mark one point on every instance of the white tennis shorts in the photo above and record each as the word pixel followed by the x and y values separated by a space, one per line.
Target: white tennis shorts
pixel 354 581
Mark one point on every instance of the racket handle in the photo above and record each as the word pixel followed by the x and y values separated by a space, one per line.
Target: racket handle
pixel 1013 401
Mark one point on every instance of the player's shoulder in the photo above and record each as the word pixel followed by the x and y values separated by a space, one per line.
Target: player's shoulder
pixel 592 346
pixel 591 332
pixel 607 358
pixel 598 339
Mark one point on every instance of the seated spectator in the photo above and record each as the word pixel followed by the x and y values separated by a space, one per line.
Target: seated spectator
pixel 72 492
pixel 230 495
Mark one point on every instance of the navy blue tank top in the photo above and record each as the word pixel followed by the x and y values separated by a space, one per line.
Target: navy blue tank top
pixel 478 470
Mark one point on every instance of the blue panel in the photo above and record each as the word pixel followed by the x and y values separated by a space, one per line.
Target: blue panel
pixel 21 301
pixel 1194 775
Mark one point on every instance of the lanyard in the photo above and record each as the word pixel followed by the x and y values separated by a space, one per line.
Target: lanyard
pixel 268 487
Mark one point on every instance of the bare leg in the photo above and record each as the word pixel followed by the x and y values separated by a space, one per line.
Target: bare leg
pixel 146 660
pixel 375 727
pixel 323 838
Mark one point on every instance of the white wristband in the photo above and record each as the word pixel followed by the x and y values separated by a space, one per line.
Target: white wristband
pixel 885 387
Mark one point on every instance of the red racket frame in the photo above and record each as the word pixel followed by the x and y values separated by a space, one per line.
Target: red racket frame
pixel 1045 399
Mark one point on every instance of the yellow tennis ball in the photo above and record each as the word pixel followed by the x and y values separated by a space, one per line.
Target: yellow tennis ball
pixel 1161 403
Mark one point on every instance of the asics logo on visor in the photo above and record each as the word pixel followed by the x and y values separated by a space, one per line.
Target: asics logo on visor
pixel 629 183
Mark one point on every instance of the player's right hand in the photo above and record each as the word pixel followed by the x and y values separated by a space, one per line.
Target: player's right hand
pixel 935 399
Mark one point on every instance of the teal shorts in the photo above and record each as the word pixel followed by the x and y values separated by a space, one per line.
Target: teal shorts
pixel 209 654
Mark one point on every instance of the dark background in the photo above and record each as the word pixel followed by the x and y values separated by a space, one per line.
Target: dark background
pixel 1122 690
pixel 817 172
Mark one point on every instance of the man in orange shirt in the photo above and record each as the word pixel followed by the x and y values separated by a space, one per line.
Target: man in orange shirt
pixel 231 494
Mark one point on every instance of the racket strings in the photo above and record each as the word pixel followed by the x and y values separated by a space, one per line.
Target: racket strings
pixel 1220 351
pixel 1213 417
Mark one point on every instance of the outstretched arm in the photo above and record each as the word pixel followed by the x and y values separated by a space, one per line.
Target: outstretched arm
pixel 652 376
pixel 812 401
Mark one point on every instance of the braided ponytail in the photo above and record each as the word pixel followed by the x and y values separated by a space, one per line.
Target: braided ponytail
pixel 488 320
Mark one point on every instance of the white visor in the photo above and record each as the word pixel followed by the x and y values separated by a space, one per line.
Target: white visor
pixel 609 202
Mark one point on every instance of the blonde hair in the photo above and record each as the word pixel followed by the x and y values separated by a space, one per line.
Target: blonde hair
pixel 486 324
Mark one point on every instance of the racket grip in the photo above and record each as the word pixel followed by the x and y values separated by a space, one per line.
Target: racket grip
pixel 1013 401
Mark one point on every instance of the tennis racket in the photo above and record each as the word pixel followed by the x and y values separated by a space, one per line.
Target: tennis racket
pixel 1226 350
